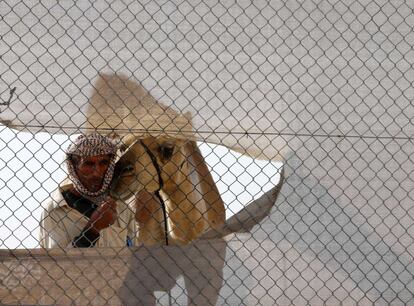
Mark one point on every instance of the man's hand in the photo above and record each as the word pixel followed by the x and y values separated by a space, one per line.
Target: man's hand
pixel 104 216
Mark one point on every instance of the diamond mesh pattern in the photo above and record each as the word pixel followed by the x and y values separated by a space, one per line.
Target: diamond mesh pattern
pixel 324 87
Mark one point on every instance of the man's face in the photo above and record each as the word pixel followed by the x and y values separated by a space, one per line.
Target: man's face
pixel 91 171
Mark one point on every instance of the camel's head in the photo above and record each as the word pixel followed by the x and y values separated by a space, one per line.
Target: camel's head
pixel 171 157
pixel 137 168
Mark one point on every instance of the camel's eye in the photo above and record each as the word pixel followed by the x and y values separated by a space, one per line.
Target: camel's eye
pixel 128 168
pixel 166 150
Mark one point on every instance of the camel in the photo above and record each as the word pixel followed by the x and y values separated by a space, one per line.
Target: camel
pixel 153 161
pixel 164 164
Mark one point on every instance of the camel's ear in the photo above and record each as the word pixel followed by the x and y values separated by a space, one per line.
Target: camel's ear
pixel 113 136
pixel 124 143
pixel 127 141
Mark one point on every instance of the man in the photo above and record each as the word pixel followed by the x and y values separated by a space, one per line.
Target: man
pixel 81 213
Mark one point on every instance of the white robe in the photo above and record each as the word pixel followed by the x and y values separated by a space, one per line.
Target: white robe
pixel 60 224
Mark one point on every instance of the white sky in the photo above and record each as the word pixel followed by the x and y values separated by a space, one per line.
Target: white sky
pixel 30 169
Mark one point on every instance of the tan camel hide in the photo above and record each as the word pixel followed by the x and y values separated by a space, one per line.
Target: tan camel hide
pixel 191 209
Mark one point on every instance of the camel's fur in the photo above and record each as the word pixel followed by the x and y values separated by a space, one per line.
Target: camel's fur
pixel 188 214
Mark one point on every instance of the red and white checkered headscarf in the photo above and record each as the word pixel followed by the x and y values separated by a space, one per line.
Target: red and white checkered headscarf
pixel 91 145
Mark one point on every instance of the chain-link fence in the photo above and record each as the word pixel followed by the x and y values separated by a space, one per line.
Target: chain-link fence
pixel 236 152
